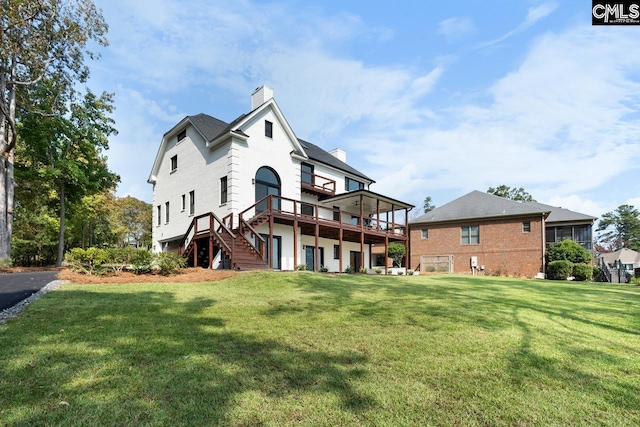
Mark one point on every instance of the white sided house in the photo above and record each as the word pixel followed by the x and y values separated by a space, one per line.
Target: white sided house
pixel 229 195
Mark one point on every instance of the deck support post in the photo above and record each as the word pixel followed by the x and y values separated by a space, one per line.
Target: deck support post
pixel 361 231
pixel 316 258
pixel 271 232
pixel 295 236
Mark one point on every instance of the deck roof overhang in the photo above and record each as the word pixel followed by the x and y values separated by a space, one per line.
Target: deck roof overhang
pixel 372 202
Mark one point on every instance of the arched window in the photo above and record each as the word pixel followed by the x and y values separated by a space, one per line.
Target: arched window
pixel 267 183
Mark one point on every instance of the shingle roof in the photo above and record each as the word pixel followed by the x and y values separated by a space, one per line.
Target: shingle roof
pixel 319 155
pixel 212 128
pixel 208 126
pixel 476 205
pixel 627 256
pixel 563 215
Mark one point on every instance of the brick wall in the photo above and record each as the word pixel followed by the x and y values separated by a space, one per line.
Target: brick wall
pixel 504 248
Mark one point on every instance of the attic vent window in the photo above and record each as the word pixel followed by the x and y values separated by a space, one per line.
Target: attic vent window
pixel 268 129
pixel 182 135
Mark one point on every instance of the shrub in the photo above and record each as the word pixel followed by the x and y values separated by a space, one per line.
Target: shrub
pixel 323 269
pixel 409 272
pixel 582 272
pixel 87 261
pixel 349 270
pixel 559 270
pixel 169 262
pixel 597 274
pixel 363 270
pixel 301 267
pixel 400 272
pixel 142 261
pixel 378 271
pixel 568 250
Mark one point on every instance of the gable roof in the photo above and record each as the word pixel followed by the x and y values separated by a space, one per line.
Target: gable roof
pixel 319 155
pixel 478 205
pixel 563 215
pixel 212 129
pixel 625 255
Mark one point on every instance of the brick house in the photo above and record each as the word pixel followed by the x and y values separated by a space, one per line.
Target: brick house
pixel 249 194
pixel 487 234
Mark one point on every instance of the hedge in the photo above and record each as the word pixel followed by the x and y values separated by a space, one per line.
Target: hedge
pixel 559 270
pixel 582 272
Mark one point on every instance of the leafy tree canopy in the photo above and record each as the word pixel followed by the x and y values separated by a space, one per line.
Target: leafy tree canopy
pixel 396 251
pixel 517 194
pixel 427 206
pixel 620 229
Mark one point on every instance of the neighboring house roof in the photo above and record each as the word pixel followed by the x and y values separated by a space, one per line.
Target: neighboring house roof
pixel 562 215
pixel 479 205
pixel 626 256
pixel 319 155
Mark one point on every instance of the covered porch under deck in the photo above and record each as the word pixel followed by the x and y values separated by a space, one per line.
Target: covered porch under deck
pixel 360 216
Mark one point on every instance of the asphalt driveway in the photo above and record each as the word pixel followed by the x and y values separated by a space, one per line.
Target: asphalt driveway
pixel 14 287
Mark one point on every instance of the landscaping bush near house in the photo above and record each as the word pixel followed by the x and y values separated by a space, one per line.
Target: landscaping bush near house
pixel 168 262
pixel 113 260
pixel 88 261
pixel 142 262
pixel 559 270
pixel 301 267
pixel 568 250
pixel 582 272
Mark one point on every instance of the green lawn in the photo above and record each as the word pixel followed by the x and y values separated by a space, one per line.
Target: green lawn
pixel 314 349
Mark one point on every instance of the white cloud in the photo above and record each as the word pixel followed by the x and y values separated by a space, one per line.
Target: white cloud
pixel 132 152
pixel 534 14
pixel 456 28
pixel 558 125
pixel 635 202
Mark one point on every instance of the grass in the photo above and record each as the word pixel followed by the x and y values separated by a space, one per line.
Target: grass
pixel 315 349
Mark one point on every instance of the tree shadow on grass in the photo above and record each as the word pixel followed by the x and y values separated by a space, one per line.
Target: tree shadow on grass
pixel 129 358
pixel 594 375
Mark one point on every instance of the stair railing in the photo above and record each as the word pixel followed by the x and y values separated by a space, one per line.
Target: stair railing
pixel 244 226
pixel 193 230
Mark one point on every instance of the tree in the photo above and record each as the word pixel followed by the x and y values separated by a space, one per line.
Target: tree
pixel 621 228
pixel 43 39
pixel 135 217
pixel 427 206
pixel 396 251
pixel 66 151
pixel 517 194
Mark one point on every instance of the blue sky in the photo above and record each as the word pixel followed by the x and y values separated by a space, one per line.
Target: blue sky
pixel 426 97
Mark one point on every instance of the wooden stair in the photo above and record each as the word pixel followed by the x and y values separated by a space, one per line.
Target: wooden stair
pixel 233 245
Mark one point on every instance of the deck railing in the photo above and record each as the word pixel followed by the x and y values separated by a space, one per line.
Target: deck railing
pixel 322 214
pixel 318 183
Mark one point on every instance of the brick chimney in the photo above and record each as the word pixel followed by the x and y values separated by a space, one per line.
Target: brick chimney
pixel 260 96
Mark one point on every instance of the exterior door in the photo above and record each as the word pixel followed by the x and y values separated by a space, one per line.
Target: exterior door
pixel 354 259
pixel 309 257
pixel 277 250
